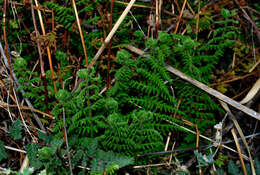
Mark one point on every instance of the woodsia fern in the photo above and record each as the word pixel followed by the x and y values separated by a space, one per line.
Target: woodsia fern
pixel 145 83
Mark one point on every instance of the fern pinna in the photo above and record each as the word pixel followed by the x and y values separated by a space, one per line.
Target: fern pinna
pixel 65 15
pixel 132 134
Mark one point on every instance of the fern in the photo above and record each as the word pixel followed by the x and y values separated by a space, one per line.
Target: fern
pixel 83 106
pixel 30 83
pixel 132 134
pixel 145 83
pixel 63 15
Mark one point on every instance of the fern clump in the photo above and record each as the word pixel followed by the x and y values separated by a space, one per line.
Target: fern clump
pixel 145 83
pixel 83 106
pixel 30 82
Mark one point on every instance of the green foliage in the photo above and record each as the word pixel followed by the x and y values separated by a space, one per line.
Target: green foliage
pixel 63 15
pixel 132 134
pixel 26 171
pixel 32 150
pixel 47 156
pixel 103 161
pixel 233 168
pixel 220 161
pixel 145 83
pixel 16 130
pixel 3 154
pixel 84 106
pixel 132 118
pixel 30 82
pixel 109 162
pixel 204 160
pixel 88 154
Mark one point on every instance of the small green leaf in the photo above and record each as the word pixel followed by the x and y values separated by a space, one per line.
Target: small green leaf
pixel 164 37
pixel 3 154
pixel 111 105
pixel 16 130
pixel 46 153
pixel 232 168
pixel 83 73
pixel 20 64
pixel 225 13
pixel 123 57
pixel 27 171
pixel 32 151
pixel 62 95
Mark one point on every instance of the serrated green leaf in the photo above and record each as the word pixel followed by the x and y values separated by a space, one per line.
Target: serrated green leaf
pixel 16 130
pixel 3 154
pixel 233 168
pixel 32 151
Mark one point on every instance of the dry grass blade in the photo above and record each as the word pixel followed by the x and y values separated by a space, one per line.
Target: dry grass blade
pixel 253 91
pixel 256 64
pixel 15 149
pixel 80 31
pixel 167 142
pixel 239 152
pixel 21 116
pixel 179 19
pixel 214 93
pixel 204 137
pixel 225 106
pixel 28 108
pixel 25 164
pixel 112 32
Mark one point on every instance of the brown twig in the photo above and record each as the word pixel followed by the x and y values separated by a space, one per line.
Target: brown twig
pixel 197 145
pixel 180 16
pixel 197 21
pixel 156 18
pixel 235 79
pixel 53 29
pixel 250 20
pixel 80 32
pixel 28 108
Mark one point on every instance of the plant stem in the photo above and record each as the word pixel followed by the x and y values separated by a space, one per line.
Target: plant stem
pixel 40 56
pixel 80 32
pixel 5 39
pixel 109 47
pixel 47 47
